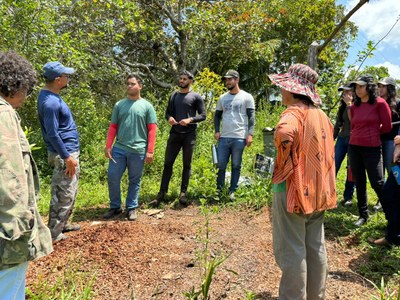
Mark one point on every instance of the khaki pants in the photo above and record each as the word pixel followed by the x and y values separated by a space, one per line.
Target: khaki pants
pixel 299 249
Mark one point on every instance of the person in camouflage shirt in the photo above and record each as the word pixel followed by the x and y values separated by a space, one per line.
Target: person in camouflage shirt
pixel 23 235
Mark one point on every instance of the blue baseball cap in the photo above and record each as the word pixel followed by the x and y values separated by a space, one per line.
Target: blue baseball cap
pixel 55 69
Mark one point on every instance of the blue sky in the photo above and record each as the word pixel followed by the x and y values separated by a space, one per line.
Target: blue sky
pixel 374 20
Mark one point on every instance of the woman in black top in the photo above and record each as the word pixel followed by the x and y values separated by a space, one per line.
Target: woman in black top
pixel 342 135
pixel 387 90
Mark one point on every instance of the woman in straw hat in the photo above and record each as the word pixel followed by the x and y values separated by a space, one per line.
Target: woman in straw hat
pixel 303 185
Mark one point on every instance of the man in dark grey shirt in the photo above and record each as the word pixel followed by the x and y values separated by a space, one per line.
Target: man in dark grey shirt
pixel 181 115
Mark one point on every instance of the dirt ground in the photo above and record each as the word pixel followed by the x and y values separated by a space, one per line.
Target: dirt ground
pixel 155 257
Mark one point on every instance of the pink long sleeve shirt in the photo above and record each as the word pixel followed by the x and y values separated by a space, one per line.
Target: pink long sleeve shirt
pixel 368 122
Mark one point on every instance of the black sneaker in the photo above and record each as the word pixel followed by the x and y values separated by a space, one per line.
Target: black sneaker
pixel 157 201
pixel 71 227
pixel 183 199
pixel 112 212
pixel 131 214
pixel 347 202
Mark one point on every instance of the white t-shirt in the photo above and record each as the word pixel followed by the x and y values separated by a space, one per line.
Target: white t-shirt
pixel 234 116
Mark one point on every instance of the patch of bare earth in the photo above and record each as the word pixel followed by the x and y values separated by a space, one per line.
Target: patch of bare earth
pixel 156 258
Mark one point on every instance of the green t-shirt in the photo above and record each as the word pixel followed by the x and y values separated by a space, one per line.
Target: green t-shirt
pixel 279 187
pixel 132 118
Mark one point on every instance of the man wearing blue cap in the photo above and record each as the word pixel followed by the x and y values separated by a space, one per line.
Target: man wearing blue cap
pixel 61 138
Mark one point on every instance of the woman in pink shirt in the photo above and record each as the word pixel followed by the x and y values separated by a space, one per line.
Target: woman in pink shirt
pixel 370 117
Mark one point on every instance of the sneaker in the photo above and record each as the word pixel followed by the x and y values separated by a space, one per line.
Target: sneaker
pixel 360 222
pixel 347 202
pixel 232 196
pixel 71 227
pixel 377 207
pixel 60 237
pixel 112 212
pixel 183 199
pixel 381 242
pixel 157 201
pixel 131 214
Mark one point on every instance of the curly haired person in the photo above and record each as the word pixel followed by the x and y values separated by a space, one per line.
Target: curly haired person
pixel 23 235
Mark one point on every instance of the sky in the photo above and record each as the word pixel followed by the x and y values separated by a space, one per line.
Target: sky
pixel 374 20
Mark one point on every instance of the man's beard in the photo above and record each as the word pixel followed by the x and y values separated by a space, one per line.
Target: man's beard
pixel 183 86
pixel 230 87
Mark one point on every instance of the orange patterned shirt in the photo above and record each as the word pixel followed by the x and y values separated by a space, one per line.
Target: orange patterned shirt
pixel 305 159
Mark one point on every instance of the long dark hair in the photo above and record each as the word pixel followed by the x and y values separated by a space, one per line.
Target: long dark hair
pixel 391 98
pixel 341 109
pixel 372 90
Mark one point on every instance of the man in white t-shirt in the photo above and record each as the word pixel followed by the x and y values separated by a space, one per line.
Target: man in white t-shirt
pixel 237 111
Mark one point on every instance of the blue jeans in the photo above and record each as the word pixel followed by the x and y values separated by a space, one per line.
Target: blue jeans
pixel 13 282
pixel 387 155
pixel 230 147
pixel 341 147
pixel 134 163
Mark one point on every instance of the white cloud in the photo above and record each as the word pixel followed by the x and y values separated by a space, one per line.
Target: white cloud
pixel 375 19
pixel 394 70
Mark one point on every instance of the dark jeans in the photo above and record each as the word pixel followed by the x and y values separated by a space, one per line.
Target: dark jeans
pixel 391 207
pixel 176 141
pixel 366 159
pixel 387 155
pixel 341 147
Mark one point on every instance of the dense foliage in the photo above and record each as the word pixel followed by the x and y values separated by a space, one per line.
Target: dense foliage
pixel 106 39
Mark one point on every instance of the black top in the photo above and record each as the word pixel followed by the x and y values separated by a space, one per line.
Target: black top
pixel 395 128
pixel 185 105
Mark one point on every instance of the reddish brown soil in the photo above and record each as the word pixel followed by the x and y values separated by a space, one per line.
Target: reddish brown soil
pixel 156 258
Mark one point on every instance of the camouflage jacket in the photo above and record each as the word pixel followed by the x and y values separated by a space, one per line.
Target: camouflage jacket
pixel 23 235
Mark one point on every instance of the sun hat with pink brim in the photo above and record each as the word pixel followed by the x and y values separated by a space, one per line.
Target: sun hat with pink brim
pixel 299 79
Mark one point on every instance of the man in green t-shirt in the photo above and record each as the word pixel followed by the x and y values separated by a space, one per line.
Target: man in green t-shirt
pixel 133 123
